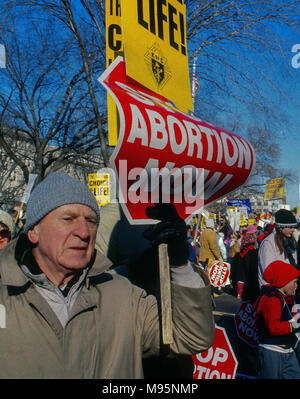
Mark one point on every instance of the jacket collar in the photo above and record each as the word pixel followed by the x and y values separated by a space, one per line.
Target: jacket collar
pixel 12 255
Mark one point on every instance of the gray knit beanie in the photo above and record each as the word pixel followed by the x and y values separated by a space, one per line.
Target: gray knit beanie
pixel 55 190
pixel 6 219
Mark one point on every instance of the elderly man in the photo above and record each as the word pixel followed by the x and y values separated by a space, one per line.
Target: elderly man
pixel 67 315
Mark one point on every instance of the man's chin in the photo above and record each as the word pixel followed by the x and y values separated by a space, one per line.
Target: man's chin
pixel 75 264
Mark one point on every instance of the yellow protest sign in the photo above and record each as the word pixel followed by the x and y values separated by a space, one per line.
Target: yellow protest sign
pixel 251 221
pixel 242 220
pixel 99 184
pixel 274 189
pixel 114 48
pixel 154 36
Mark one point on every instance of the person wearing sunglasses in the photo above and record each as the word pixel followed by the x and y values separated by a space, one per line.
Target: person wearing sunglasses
pixel 7 229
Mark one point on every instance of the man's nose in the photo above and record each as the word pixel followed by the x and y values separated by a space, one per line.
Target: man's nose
pixel 82 229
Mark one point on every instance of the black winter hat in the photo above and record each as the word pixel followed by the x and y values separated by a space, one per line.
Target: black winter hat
pixel 285 218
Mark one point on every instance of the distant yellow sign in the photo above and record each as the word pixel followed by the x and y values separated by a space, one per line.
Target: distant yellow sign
pixel 154 36
pixel 242 220
pixel 274 189
pixel 114 47
pixel 99 184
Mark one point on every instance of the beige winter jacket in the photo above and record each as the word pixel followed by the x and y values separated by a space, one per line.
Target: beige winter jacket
pixel 111 326
pixel 208 246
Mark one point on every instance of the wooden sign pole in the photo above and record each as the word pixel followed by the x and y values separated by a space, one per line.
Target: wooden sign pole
pixel 165 294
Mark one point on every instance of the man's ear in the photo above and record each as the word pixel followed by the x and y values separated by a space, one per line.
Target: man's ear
pixel 33 234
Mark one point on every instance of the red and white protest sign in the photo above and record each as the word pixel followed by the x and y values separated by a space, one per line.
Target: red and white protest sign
pixel 219 273
pixel 164 153
pixel 218 362
pixel 245 323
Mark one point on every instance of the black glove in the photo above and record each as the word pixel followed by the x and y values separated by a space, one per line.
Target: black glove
pixel 172 230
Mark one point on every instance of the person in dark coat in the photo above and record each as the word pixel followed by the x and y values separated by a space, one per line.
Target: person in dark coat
pixel 247 270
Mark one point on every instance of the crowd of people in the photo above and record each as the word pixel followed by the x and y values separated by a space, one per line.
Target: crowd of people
pixel 264 270
pixel 66 268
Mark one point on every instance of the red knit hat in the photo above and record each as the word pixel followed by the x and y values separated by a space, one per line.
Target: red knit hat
pixel 279 273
